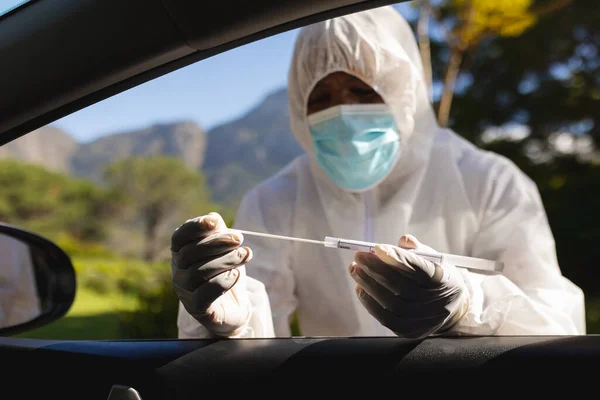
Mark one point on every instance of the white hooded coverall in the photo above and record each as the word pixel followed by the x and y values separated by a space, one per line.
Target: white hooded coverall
pixel 449 194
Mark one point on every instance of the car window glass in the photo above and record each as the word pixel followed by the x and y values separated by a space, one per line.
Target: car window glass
pixel 110 183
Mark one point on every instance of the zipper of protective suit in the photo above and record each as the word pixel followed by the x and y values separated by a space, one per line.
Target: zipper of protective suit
pixel 368 231
pixel 368 228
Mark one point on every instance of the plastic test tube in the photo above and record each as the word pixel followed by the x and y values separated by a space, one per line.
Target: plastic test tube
pixel 471 263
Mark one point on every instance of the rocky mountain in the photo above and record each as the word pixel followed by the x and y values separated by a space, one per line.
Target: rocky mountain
pixel 185 140
pixel 234 156
pixel 245 151
pixel 48 146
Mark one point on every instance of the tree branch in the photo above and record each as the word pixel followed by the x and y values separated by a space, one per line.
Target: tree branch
pixel 452 71
pixel 449 81
pixel 550 8
pixel 424 43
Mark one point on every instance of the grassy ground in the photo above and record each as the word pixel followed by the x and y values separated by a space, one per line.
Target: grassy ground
pixel 96 317
pixel 92 317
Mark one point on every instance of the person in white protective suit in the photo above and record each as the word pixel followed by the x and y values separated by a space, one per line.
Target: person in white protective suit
pixel 19 301
pixel 378 168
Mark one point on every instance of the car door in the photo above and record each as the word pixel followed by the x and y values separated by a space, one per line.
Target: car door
pixel 61 56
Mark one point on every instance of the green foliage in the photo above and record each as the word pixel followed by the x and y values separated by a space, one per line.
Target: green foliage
pixel 158 189
pixel 78 215
pixel 478 19
pixel 78 248
pixel 115 274
pixel 153 185
pixel 50 203
pixel 295 326
pixel 148 283
pixel 592 307
pixel 156 317
pixel 510 79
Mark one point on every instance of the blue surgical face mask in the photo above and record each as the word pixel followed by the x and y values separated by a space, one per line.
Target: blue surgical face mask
pixel 356 145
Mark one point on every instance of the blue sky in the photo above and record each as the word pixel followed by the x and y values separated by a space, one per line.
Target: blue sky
pixel 209 92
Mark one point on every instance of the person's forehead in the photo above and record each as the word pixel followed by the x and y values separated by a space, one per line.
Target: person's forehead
pixel 340 77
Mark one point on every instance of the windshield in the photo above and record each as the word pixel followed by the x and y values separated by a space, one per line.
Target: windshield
pixel 9 5
pixel 458 128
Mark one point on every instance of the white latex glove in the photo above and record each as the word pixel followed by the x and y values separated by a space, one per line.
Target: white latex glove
pixel 410 295
pixel 209 276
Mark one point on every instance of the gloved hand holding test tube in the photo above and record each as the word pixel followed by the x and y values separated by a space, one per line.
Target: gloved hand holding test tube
pixel 471 263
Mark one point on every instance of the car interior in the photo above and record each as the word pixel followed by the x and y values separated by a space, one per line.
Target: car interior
pixel 106 47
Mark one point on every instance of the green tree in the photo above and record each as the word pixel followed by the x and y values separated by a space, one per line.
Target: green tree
pixel 467 25
pixel 52 204
pixel 156 189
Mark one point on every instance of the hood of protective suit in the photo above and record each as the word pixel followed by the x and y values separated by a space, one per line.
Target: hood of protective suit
pixel 379 47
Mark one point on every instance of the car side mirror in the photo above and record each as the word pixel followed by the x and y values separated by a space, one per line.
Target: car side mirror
pixel 37 281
